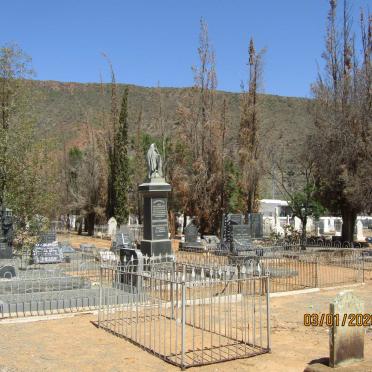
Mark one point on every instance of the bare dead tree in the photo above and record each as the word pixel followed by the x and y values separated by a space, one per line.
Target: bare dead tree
pixel 341 144
pixel 248 133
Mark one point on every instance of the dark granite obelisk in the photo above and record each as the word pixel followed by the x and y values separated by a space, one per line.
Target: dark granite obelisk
pixel 155 201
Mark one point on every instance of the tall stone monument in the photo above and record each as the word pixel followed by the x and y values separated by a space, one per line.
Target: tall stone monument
pixel 155 207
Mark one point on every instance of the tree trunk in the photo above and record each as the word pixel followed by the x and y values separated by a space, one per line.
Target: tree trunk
pixel 348 223
pixel 172 223
pixel 80 229
pixel 184 222
pixel 303 233
pixel 90 223
pixel 139 206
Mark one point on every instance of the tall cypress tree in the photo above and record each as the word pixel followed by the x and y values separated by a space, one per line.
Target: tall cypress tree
pixel 121 184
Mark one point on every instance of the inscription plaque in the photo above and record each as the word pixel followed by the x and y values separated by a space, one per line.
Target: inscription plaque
pixel 159 216
pixel 47 253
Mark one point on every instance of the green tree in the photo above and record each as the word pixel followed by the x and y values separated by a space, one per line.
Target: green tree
pixel 27 169
pixel 15 67
pixel 122 181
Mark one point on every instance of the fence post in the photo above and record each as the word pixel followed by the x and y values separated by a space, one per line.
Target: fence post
pixel 363 267
pixel 316 271
pixel 183 315
pixel 268 312
pixel 172 299
pixel 100 295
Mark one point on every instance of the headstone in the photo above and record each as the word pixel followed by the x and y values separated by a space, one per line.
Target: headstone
pixel 6 233
pixel 241 238
pixel 226 227
pixel 47 237
pixel 155 200
pixel 310 225
pixel 111 227
pixel 192 238
pixel 331 224
pixel 338 227
pixel 297 224
pixel 346 338
pixel 191 233
pixel 87 248
pixel 255 222
pixel 321 227
pixel 7 269
pixel 47 253
pixel 132 263
pixel 122 240
pixel 107 256
pixel 211 242
pixel 359 228
pixel 326 225
pixel 276 217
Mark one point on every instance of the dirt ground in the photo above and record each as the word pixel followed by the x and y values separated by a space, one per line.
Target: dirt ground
pixel 75 240
pixel 75 344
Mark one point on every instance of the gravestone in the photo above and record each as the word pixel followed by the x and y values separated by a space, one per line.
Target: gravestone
pixel 111 227
pixel 191 233
pixel 47 237
pixel 241 238
pixel 6 233
pixel 155 207
pixel 338 227
pixel 192 238
pixel 255 222
pixel 346 339
pixel 107 256
pixel 297 224
pixel 47 253
pixel 228 220
pixel 7 269
pixel 321 227
pixel 326 225
pixel 131 264
pixel 359 231
pixel 122 240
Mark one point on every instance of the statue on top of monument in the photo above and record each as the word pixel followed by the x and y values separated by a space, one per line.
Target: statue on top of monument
pixel 154 164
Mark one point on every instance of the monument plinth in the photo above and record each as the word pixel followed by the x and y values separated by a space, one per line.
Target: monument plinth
pixel 155 208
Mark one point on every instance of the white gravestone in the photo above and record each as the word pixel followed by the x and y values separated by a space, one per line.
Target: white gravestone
pixel 326 225
pixel 278 228
pixel 310 225
pixel 346 341
pixel 111 227
pixel 359 227
pixel 297 224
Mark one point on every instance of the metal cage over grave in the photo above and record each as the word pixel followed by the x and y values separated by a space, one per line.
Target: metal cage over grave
pixel 42 289
pixel 186 315
pixel 289 269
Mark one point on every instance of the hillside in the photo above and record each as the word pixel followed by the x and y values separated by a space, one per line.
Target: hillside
pixel 62 109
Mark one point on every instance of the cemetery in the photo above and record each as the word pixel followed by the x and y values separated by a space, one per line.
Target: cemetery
pixel 206 301
pixel 188 224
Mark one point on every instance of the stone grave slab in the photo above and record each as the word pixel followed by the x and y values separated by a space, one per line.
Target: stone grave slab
pixel 47 253
pixel 346 341
pixel 255 222
pixel 241 238
pixel 192 238
pixel 228 220
pixel 111 227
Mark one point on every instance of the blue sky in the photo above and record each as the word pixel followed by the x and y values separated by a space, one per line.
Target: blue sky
pixel 151 41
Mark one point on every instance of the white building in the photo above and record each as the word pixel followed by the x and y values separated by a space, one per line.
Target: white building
pixel 267 207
